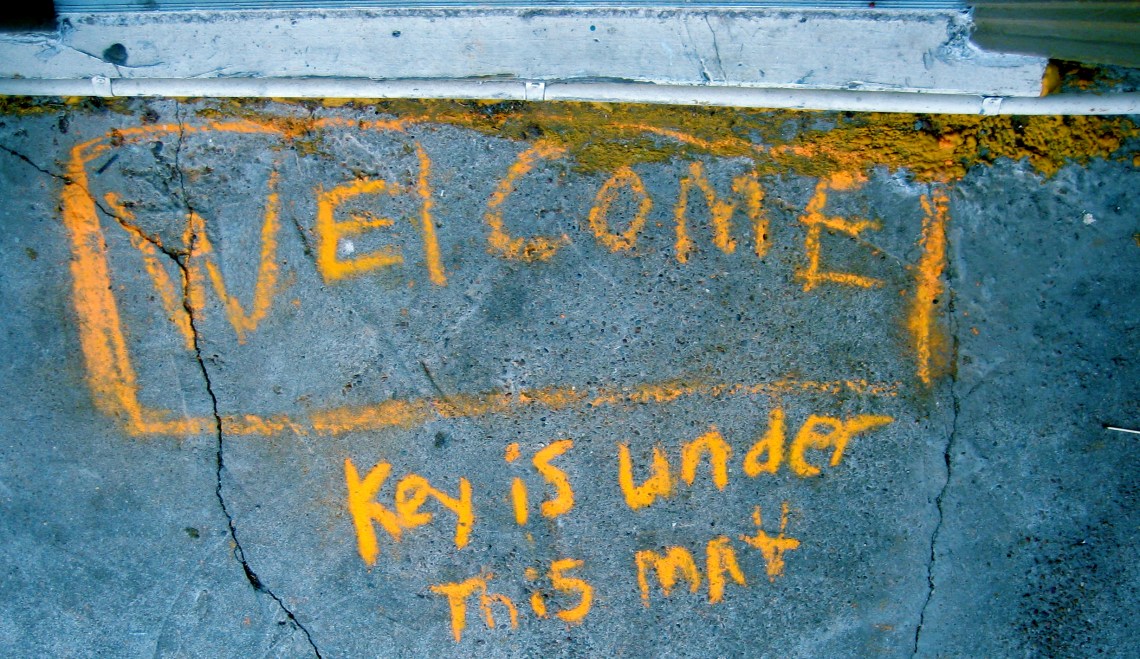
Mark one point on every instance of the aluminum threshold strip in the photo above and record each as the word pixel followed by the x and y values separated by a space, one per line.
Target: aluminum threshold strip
pixel 615 92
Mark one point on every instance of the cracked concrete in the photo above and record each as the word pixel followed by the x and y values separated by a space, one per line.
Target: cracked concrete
pixel 990 514
pixel 179 260
pixel 121 586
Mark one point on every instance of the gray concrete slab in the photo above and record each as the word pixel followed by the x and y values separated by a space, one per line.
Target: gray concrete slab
pixel 443 379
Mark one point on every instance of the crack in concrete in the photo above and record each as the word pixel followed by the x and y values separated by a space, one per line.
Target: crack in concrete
pixel 16 154
pixel 179 259
pixel 716 49
pixel 238 551
pixel 947 457
pixel 108 212
pixel 306 247
pixel 706 75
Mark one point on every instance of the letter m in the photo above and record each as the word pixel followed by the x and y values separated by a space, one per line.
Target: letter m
pixel 677 562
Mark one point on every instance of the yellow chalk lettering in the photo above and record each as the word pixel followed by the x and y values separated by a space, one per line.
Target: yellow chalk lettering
pixel 657 485
pixel 485 601
pixel 427 223
pixel 607 195
pixel 171 295
pixel 201 264
pixel 538 604
pixel 330 232
pixel 816 221
pixel 712 442
pixel 519 501
pixel 364 509
pixel 518 487
pixel 411 493
pixel 457 595
pixel 537 601
pixel 501 243
pixel 563 500
pixel 720 560
pixel 772 549
pixel 746 187
pixel 821 432
pixel 413 490
pixel 771 444
pixel 676 559
pixel 571 585
pixel 855 426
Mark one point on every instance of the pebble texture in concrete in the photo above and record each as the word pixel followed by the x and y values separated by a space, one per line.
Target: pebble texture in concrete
pixel 450 379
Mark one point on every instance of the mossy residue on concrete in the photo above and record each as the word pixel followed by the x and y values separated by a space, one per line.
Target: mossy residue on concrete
pixel 944 147
pixel 601 137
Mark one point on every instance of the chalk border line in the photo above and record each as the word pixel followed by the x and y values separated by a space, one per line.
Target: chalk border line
pixel 114 383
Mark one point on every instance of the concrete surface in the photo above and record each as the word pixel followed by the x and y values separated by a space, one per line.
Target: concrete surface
pixel 921 47
pixel 943 340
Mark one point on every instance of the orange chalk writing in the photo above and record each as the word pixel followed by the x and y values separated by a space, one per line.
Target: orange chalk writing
pixel 718 450
pixel 332 234
pixel 518 487
pixel 676 562
pixel 501 243
pixel 563 500
pixel 115 385
pixel 242 321
pixel 770 446
pixel 659 484
pixel 821 432
pixel 537 601
pixel 458 593
pixel 519 501
pixel 747 189
pixel 721 569
pixel 173 297
pixel 427 223
pixel 929 346
pixel 720 560
pixel 772 548
pixel 607 195
pixel 816 221
pixel 412 492
pixel 365 510
pixel 571 586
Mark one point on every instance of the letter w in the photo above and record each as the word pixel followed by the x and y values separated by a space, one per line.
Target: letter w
pixel 200 264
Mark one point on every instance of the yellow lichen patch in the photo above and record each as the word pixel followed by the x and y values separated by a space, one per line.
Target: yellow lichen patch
pixel 1077 77
pixel 604 138
pixel 944 147
pixel 302 133
pixel 22 106
pixel 1049 142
